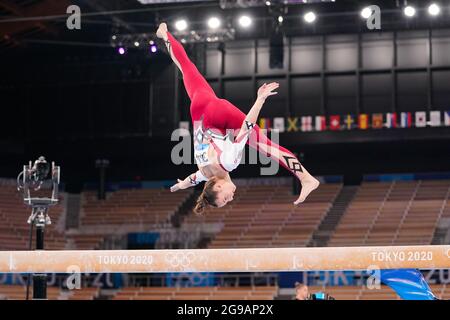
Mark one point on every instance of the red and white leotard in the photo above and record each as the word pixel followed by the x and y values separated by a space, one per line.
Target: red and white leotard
pixel 229 149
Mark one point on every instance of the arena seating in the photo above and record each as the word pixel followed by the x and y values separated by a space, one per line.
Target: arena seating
pixel 393 213
pixel 133 209
pixel 14 230
pixel 85 241
pixel 18 292
pixel 264 216
pixel 197 293
pixel 131 206
pixel 89 293
pixel 381 213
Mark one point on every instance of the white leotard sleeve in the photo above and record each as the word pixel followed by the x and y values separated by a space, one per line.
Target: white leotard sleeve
pixel 197 177
pixel 231 154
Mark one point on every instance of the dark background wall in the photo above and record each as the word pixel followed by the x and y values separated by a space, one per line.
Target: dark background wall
pixel 339 74
pixel 101 94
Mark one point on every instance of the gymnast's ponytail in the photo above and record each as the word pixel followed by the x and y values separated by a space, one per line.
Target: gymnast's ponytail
pixel 207 198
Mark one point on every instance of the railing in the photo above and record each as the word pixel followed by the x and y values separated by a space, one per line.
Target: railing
pixel 405 213
pixel 380 209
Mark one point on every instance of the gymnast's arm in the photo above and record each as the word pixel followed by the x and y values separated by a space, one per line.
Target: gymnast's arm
pixel 252 116
pixel 191 181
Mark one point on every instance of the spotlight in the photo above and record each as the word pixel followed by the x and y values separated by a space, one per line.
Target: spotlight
pixel 121 50
pixel 151 42
pixel 310 17
pixel 245 21
pixel 114 37
pixel 268 3
pixel 280 19
pixel 136 44
pixel 434 9
pixel 181 25
pixel 409 11
pixel 366 13
pixel 214 23
pixel 153 48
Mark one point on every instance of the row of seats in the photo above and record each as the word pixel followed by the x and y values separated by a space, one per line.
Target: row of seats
pixel 18 292
pixel 260 216
pixel 126 207
pixel 131 206
pixel 264 216
pixel 393 213
pixel 14 230
pixel 197 293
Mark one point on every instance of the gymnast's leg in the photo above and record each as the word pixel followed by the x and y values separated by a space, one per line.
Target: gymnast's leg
pixel 192 78
pixel 287 159
pixel 228 116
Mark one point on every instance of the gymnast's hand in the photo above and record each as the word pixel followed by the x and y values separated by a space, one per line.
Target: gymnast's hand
pixel 182 184
pixel 266 90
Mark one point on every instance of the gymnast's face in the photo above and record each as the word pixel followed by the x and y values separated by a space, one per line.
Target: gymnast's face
pixel 225 192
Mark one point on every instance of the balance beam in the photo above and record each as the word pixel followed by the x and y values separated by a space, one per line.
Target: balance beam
pixel 226 260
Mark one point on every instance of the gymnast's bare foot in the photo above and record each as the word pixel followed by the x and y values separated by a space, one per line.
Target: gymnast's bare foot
pixel 309 184
pixel 162 31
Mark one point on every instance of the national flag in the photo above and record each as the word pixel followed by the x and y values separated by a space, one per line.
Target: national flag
pixel 278 124
pixel 265 123
pixel 391 120
pixel 335 123
pixel 363 121
pixel 292 124
pixel 405 120
pixel 306 123
pixel 321 123
pixel 349 121
pixel 447 118
pixel 421 119
pixel 435 118
pixel 377 121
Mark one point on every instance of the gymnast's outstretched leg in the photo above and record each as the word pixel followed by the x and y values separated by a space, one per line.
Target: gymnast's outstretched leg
pixel 193 80
pixel 264 145
pixel 287 159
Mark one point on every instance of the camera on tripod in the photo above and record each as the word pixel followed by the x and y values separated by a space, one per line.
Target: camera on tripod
pixel 33 176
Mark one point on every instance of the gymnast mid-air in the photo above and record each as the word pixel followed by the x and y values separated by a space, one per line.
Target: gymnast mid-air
pixel 216 153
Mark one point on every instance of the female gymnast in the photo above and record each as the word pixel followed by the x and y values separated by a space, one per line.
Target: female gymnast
pixel 216 154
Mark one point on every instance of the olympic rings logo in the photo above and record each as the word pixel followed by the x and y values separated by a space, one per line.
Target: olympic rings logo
pixel 176 260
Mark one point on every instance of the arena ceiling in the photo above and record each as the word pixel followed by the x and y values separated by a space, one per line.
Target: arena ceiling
pixel 24 23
